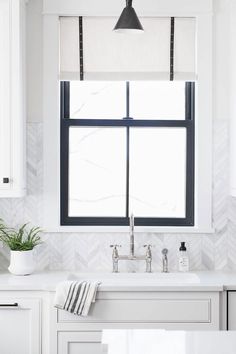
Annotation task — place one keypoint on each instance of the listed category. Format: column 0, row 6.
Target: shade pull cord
column 172, row 43
column 81, row 50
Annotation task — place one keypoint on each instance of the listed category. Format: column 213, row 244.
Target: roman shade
column 90, row 50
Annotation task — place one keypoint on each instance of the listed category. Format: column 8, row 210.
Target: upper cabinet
column 12, row 93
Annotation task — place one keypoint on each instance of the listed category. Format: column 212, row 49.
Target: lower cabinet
column 79, row 342
column 231, row 311
column 29, row 323
column 20, row 326
column 71, row 334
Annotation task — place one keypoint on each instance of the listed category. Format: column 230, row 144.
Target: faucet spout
column 116, row 257
column 132, row 235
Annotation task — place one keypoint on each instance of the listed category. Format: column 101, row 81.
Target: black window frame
column 67, row 122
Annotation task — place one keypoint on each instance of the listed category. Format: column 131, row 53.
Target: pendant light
column 128, row 21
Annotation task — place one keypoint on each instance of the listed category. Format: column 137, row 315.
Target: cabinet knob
column 5, row 180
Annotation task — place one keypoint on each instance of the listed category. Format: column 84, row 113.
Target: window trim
column 127, row 122
column 203, row 128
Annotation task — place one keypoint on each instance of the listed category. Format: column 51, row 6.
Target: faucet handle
column 148, row 246
column 115, row 246
column 149, row 251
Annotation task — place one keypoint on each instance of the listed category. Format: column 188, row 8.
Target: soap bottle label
column 183, row 264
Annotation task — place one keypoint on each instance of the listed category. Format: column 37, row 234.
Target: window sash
column 66, row 123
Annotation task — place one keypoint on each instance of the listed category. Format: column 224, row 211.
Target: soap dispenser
column 183, row 258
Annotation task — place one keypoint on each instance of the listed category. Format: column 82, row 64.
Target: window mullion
column 127, row 99
column 127, row 169
column 127, row 147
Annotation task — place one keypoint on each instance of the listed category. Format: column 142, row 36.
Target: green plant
column 20, row 239
column 2, row 225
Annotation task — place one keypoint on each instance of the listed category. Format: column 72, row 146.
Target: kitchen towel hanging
column 76, row 296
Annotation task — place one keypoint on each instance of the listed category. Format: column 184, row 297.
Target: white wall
column 90, row 251
column 221, row 67
column 34, row 33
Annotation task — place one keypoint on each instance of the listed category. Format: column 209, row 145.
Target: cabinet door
column 5, row 118
column 231, row 311
column 20, row 326
column 80, row 343
column 12, row 98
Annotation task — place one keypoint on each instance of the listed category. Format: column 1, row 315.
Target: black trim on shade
column 128, row 122
column 172, row 45
column 81, row 48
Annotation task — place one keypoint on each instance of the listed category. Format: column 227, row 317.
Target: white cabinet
column 30, row 324
column 231, row 311
column 176, row 310
column 12, row 122
column 80, row 342
column 129, row 310
column 19, row 326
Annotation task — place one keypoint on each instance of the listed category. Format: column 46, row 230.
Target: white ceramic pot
column 22, row 262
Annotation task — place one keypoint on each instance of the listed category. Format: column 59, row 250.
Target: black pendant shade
column 128, row 21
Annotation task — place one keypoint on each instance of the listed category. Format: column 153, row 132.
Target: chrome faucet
column 164, row 260
column 131, row 257
column 132, row 235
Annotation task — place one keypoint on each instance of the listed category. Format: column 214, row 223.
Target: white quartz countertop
column 139, row 341
column 191, row 281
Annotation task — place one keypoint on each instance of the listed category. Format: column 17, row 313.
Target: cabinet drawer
column 79, row 342
column 162, row 309
column 231, row 311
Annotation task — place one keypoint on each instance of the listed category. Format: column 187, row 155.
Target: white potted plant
column 21, row 243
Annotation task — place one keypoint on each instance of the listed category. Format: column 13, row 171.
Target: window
column 127, row 147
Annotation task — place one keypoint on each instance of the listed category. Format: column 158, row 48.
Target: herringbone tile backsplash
column 91, row 252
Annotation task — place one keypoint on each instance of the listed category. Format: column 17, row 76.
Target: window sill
column 125, row 229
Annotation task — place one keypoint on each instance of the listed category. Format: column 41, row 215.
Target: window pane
column 157, row 172
column 97, row 171
column 157, row 100
column 97, row 100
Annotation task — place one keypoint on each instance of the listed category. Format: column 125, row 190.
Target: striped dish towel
column 76, row 296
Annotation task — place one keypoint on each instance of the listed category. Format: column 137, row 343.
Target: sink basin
column 138, row 279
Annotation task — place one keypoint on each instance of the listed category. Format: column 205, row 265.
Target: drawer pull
column 9, row 305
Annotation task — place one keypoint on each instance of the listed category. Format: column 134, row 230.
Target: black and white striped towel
column 76, row 296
